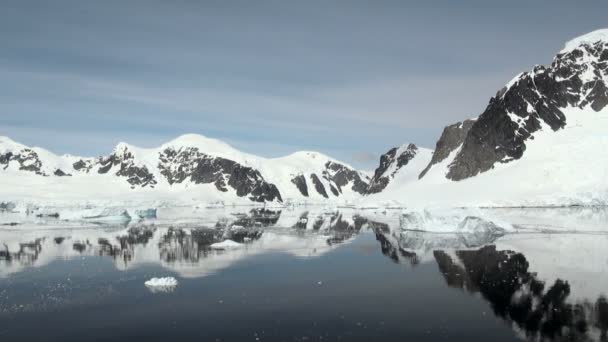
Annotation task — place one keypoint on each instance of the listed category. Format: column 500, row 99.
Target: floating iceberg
column 146, row 213
column 164, row 284
column 475, row 231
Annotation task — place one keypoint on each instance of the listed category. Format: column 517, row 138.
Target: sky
column 347, row 78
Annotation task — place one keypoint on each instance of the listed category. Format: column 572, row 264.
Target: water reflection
column 184, row 247
column 539, row 310
column 547, row 278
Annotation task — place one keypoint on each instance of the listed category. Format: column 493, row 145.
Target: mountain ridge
column 526, row 148
column 190, row 160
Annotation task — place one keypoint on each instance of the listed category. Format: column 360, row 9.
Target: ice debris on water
column 163, row 284
column 146, row 213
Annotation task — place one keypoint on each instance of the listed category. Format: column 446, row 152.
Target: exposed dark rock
column 574, row 79
column 300, row 182
column 451, row 138
column 81, row 165
column 341, row 176
column 381, row 178
column 124, row 160
column 27, row 159
column 200, row 168
column 6, row 158
column 60, row 173
column 334, row 190
column 318, row 185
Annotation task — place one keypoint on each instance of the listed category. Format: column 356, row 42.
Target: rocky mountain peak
column 577, row 78
column 589, row 39
column 390, row 163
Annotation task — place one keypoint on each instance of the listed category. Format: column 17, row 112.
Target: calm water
column 305, row 276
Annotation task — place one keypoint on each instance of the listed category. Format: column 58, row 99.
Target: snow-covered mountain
column 399, row 164
column 540, row 141
column 202, row 168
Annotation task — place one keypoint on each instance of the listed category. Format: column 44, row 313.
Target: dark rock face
column 300, row 182
column 338, row 177
column 381, row 178
column 318, row 185
column 27, row 159
column 6, row 158
column 517, row 296
column 83, row 166
column 535, row 98
column 190, row 165
column 341, row 176
column 200, row 168
column 125, row 161
column 60, row 173
column 451, row 138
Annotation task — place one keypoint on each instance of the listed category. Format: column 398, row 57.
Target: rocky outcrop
column 200, row 168
column 60, row 173
column 390, row 163
column 340, row 176
column 27, row 160
column 83, row 165
column 123, row 160
column 318, row 185
column 451, row 138
column 533, row 100
column 300, row 183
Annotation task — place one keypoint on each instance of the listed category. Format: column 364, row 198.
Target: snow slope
column 541, row 142
column 565, row 167
column 189, row 169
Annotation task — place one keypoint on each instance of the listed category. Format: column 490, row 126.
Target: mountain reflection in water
column 549, row 287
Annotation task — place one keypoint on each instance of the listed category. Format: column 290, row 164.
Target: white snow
column 92, row 187
column 226, row 244
column 589, row 38
column 558, row 168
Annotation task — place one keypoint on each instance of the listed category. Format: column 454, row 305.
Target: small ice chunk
column 476, row 231
column 146, row 213
column 163, row 284
column 226, row 244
